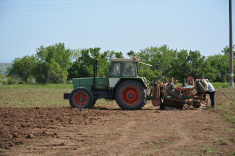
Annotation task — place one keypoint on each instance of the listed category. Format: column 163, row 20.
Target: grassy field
column 26, row 96
column 226, row 103
column 220, row 85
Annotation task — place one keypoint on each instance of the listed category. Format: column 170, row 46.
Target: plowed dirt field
column 108, row 130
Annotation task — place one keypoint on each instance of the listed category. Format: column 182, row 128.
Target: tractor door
column 128, row 69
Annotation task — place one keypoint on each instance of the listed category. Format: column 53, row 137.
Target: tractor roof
column 128, row 60
column 123, row 60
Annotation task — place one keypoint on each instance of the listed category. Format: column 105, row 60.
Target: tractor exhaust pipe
column 95, row 71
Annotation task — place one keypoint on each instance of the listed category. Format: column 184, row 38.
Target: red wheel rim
column 156, row 102
column 80, row 99
column 130, row 95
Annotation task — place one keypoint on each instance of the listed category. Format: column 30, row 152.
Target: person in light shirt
column 211, row 91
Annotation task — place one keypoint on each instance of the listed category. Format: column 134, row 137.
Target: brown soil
column 111, row 131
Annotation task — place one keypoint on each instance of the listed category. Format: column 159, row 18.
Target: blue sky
column 119, row 25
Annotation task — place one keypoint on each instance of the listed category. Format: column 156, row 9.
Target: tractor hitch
column 66, row 95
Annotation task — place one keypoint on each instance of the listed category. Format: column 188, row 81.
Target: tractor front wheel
column 131, row 95
column 81, row 98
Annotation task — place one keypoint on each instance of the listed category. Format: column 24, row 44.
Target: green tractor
column 121, row 84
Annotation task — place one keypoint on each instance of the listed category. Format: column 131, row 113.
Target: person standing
column 211, row 91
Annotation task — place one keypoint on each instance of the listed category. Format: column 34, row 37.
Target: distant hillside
column 3, row 67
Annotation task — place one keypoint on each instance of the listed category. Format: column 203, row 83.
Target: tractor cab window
column 128, row 69
column 115, row 69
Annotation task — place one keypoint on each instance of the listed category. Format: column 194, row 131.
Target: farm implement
column 130, row 91
column 190, row 97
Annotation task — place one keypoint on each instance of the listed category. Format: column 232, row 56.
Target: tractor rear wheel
column 131, row 95
column 81, row 98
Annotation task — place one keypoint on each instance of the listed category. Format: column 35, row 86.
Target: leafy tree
column 119, row 55
column 83, row 66
column 58, row 52
column 103, row 65
column 160, row 57
column 54, row 61
column 21, row 68
column 180, row 65
column 53, row 64
column 210, row 71
column 39, row 72
column 113, row 54
column 196, row 62
column 220, row 63
column 146, row 72
column 55, row 73
column 131, row 53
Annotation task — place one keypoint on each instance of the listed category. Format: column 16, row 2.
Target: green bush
column 11, row 81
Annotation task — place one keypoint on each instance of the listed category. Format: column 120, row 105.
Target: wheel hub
column 80, row 99
column 156, row 102
column 130, row 95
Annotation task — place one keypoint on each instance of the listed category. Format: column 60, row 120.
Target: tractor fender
column 140, row 80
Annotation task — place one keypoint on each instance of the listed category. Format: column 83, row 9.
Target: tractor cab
column 123, row 68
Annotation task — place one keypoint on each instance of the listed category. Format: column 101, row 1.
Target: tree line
column 57, row 64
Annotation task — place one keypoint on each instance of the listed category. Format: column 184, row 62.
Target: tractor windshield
column 115, row 70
